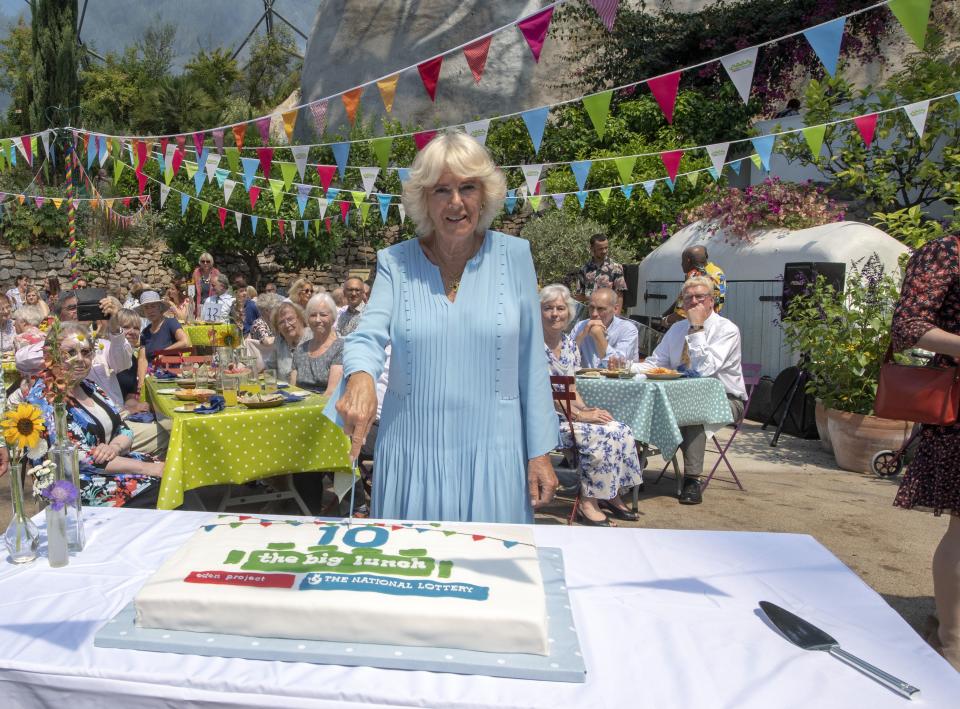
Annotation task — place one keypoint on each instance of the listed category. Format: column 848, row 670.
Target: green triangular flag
column 364, row 210
column 117, row 169
column 693, row 178
column 204, row 208
column 914, row 15
column 358, row 196
column 625, row 168
column 535, row 202
column 233, row 159
column 269, row 226
column 757, row 162
column 598, row 106
column 191, row 168
column 287, row 171
column 381, row 148
column 814, row 137
column 316, row 225
column 276, row 186
column 117, row 149
column 168, row 175
column 604, row 193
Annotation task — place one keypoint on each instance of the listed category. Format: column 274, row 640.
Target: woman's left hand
column 541, row 481
column 104, row 453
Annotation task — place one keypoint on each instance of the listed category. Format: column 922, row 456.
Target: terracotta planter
column 856, row 438
column 822, row 430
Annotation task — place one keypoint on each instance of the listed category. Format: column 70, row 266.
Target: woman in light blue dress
column 467, row 418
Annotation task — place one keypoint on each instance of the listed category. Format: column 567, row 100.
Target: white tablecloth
column 665, row 618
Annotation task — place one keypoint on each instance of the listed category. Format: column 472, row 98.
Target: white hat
column 151, row 296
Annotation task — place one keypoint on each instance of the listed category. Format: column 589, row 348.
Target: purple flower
column 60, row 493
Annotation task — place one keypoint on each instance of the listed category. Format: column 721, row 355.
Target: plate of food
column 261, row 401
column 235, row 370
column 662, row 373
column 617, row 374
column 186, row 408
column 193, row 394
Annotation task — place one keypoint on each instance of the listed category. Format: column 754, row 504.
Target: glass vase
column 58, row 553
column 22, row 537
column 66, row 458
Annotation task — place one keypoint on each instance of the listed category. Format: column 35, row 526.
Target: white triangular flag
column 917, row 113
column 18, row 141
column 718, row 155
column 300, row 157
column 740, row 67
column 45, row 139
column 213, row 161
column 531, row 173
column 323, row 203
column 293, row 227
column 104, row 154
column 478, row 130
column 228, row 186
column 369, row 176
column 164, row 193
column 168, row 157
column 558, row 200
column 239, row 217
column 403, row 212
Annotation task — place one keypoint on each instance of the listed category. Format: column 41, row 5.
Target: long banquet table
column 665, row 618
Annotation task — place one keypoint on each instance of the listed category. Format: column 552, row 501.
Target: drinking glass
column 230, row 387
column 269, row 381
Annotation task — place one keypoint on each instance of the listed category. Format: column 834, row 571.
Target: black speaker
column 798, row 277
column 631, row 274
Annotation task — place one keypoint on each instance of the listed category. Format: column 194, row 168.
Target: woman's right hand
column 358, row 409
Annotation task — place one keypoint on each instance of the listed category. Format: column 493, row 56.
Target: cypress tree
column 55, row 57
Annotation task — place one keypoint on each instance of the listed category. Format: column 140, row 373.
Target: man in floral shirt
column 696, row 262
column 600, row 271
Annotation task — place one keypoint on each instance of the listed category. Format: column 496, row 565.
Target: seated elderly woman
column 608, row 454
column 290, row 328
column 318, row 363
column 110, row 474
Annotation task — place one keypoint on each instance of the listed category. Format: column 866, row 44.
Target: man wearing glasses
column 349, row 315
column 705, row 344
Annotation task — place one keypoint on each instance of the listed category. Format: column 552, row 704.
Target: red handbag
column 920, row 394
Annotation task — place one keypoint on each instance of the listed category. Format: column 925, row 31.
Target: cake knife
column 809, row 637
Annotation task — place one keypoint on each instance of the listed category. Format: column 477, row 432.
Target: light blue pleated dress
column 469, row 400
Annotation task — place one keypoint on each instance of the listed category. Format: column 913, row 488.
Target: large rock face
column 354, row 41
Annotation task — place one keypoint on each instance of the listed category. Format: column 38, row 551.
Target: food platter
column 261, row 401
column 193, row 394
column 662, row 373
column 617, row 374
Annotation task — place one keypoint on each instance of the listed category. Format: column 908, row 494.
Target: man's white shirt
column 216, row 308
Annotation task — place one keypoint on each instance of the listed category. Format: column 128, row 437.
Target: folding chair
column 751, row 377
column 563, row 394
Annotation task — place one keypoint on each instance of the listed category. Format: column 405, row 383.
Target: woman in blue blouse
column 467, row 418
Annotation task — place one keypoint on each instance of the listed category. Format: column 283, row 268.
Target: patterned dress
column 930, row 298
column 608, row 453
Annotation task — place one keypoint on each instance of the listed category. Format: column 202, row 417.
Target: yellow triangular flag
column 109, row 203
column 757, row 162
column 604, row 193
column 693, row 178
column 57, row 201
column 388, row 89
column 289, row 121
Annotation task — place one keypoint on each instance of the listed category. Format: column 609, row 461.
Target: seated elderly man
column 216, row 308
column 708, row 344
column 605, row 335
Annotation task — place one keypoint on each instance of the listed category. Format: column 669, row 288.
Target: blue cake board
column 563, row 664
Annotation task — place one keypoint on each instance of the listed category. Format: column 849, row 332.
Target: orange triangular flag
column 289, row 121
column 476, row 55
column 94, row 203
column 351, row 102
column 238, row 133
column 22, row 198
column 388, row 89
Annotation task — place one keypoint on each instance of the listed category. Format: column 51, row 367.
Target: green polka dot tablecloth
column 200, row 334
column 655, row 410
column 239, row 445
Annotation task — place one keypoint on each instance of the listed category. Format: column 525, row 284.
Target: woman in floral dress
column 608, row 453
column 928, row 316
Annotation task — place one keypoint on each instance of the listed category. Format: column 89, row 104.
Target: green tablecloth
column 239, row 445
column 655, row 410
column 200, row 334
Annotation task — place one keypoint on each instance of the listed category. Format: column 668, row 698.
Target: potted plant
column 842, row 338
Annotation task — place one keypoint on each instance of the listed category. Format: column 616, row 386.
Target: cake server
column 809, row 637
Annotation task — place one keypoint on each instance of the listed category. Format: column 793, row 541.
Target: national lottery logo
column 393, row 586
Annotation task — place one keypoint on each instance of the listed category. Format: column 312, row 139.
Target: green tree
column 175, row 104
column 216, row 72
column 273, row 70
column 156, row 48
column 16, row 60
column 54, row 67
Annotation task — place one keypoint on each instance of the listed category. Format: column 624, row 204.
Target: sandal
column 619, row 512
column 587, row 522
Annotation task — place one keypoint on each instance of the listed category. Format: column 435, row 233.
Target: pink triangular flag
column 423, row 137
column 866, row 125
column 671, row 161
column 254, row 195
column 218, row 139
column 222, row 213
column 607, row 10
column 344, row 208
column 476, row 55
column 319, row 112
column 664, row 89
column 534, row 30
column 281, row 225
column 266, row 158
column 181, row 141
column 326, row 173
column 198, row 139
column 177, row 160
column 326, row 223
column 430, row 74
column 263, row 125
column 164, row 142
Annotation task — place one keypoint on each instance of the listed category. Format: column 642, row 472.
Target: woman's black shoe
column 619, row 513
column 587, row 522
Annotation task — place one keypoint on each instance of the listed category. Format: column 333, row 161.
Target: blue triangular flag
column 332, row 193
column 957, row 96
column 221, row 176
column 303, row 194
column 198, row 179
column 649, row 185
column 91, row 150
column 825, row 40
column 13, row 155
column 341, row 151
column 735, row 166
column 253, row 223
column 510, row 203
column 250, row 166
column 507, row 543
column 160, row 164
column 670, row 183
column 403, row 173
column 713, row 173
column 580, row 170
column 627, row 191
column 184, row 201
column 384, row 200
column 103, row 150
column 536, row 120
column 582, row 198
column 210, row 527
column 764, row 148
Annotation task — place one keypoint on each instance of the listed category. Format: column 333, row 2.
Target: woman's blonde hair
column 465, row 158
column 296, row 287
column 550, row 293
column 125, row 318
column 297, row 310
